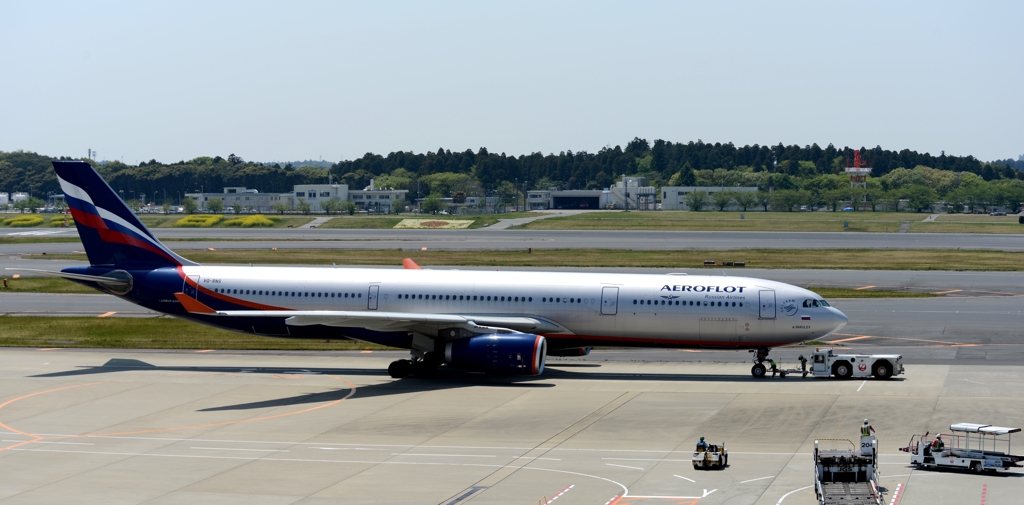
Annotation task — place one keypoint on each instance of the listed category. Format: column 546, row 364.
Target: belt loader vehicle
column 975, row 447
column 847, row 475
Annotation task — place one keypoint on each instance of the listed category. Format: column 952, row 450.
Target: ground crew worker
column 803, row 364
column 938, row 445
column 702, row 446
column 866, row 430
column 773, row 366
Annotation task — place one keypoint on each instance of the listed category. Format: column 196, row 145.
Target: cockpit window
column 823, row 303
column 814, row 303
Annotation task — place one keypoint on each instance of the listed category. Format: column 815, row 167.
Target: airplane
column 498, row 322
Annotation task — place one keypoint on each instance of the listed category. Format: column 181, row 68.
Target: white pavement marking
column 625, row 490
column 624, row 466
column 531, row 457
column 649, row 459
column 566, row 490
column 896, row 495
column 346, row 449
column 789, row 493
column 227, row 449
column 684, row 478
column 444, row 455
column 43, row 442
column 706, row 493
column 759, row 478
column 862, row 385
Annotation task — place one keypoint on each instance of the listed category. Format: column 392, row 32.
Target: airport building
column 674, row 197
column 242, row 198
column 632, row 193
column 4, row 199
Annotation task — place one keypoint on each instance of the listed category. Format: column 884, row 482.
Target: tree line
column 456, row 174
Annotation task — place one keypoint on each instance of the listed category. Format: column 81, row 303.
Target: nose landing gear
column 758, row 371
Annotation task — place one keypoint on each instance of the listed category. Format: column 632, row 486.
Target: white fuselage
column 620, row 309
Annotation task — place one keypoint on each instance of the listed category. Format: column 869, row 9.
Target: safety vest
column 865, row 431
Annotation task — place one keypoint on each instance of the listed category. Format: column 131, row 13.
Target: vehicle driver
column 866, row 430
column 702, row 446
column 937, row 444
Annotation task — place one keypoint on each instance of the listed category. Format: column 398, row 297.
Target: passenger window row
column 699, row 303
column 297, row 294
column 482, row 298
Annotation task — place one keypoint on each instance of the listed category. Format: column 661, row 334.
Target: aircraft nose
column 839, row 319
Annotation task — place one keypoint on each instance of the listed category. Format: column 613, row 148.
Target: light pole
column 625, row 184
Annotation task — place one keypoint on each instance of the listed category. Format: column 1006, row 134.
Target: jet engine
column 506, row 354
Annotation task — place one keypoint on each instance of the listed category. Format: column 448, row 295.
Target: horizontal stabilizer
column 121, row 283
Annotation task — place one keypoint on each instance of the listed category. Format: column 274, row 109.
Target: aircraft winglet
column 409, row 264
column 192, row 305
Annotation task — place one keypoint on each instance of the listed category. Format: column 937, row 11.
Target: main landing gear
column 759, row 370
column 419, row 367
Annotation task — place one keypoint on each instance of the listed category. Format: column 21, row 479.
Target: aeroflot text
column 705, row 289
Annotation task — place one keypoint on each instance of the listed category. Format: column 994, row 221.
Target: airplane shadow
column 444, row 379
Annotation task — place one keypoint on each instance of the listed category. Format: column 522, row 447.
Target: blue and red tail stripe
column 110, row 231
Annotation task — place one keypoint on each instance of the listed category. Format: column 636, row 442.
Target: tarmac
column 170, row 427
column 615, row 427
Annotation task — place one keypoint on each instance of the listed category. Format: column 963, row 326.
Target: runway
column 117, row 427
column 514, row 239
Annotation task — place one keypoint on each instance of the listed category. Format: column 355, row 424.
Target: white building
column 17, row 197
column 634, row 193
column 4, row 199
column 674, row 197
column 239, row 198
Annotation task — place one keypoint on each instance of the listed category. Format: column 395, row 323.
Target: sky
column 275, row 81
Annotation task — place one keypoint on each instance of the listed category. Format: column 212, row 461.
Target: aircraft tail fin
column 110, row 231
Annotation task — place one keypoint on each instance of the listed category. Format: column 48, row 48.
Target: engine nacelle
column 572, row 351
column 506, row 354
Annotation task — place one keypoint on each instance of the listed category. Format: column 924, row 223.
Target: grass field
column 854, row 259
column 167, row 221
column 149, row 333
column 388, row 222
column 729, row 221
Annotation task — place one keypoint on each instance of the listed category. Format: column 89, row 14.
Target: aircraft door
column 191, row 286
column 371, row 297
column 609, row 301
column 767, row 305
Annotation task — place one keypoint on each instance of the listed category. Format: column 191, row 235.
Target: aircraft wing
column 398, row 321
column 388, row 321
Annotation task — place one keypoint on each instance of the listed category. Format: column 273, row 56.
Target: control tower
column 858, row 173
